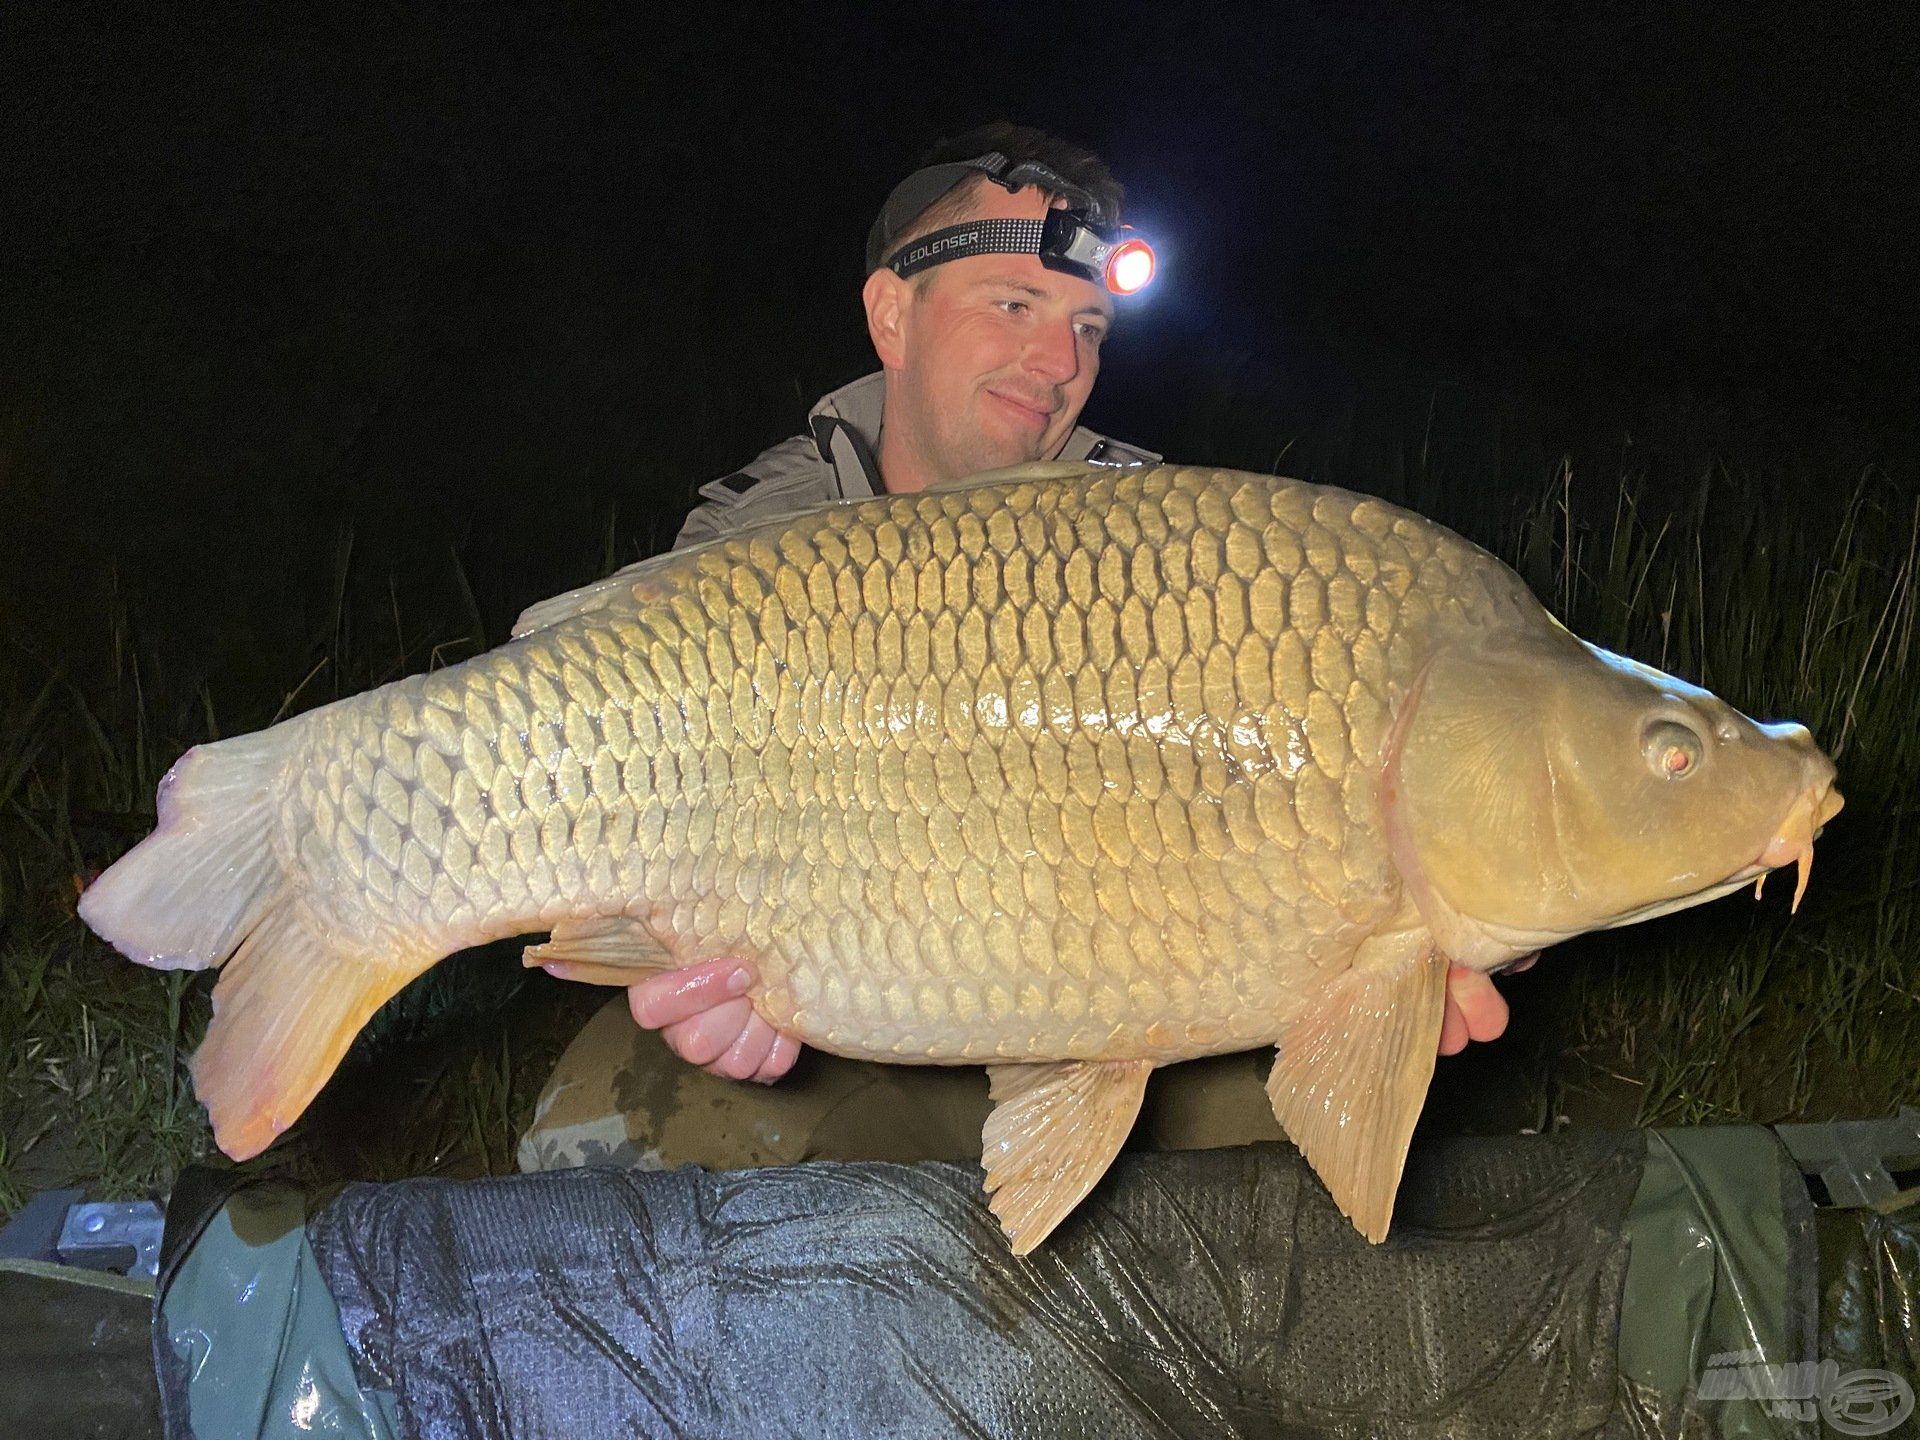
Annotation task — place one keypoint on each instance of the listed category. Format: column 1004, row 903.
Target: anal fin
column 1353, row 1072
column 1054, row 1130
column 286, row 1008
column 604, row 950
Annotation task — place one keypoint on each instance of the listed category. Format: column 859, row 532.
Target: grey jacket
column 834, row 460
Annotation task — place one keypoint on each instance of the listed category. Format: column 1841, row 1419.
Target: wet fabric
column 1207, row 1293
column 1870, row 1288
column 247, row 1341
column 1723, row 1264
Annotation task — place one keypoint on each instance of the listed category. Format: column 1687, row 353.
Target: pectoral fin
column 1054, row 1130
column 1353, row 1072
column 606, row 950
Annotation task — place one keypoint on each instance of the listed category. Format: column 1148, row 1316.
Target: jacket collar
column 857, row 407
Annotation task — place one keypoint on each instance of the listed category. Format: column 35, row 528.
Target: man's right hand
column 703, row 1014
column 1475, row 1010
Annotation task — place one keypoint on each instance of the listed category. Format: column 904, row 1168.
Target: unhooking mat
column 1198, row 1293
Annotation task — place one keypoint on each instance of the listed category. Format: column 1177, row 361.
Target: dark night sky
column 481, row 275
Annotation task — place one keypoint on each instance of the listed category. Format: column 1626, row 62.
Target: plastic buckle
column 97, row 1236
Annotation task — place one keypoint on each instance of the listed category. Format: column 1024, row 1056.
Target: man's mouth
column 1037, row 413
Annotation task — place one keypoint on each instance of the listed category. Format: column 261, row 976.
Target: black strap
column 1032, row 172
column 974, row 237
column 825, row 427
column 915, row 194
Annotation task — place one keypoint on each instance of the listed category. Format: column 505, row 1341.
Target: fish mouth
column 1792, row 844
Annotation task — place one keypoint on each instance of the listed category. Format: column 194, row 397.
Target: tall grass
column 1726, row 1012
column 94, row 1083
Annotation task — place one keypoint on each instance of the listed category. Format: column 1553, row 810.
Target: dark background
column 401, row 297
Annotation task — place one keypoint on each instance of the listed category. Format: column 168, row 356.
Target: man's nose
column 1053, row 354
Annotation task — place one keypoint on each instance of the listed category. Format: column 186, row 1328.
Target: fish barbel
column 1068, row 771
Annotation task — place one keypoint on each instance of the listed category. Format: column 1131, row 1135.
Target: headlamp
column 1077, row 240
column 1109, row 255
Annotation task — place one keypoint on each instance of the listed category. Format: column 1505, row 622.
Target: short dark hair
column 1019, row 143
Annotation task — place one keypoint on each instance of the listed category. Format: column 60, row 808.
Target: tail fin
column 206, row 890
column 184, row 897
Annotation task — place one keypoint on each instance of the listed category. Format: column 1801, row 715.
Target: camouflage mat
column 1216, row 1294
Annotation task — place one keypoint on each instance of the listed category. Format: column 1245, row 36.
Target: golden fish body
column 1040, row 770
column 1084, row 765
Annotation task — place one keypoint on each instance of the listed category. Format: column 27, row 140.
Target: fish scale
column 1131, row 808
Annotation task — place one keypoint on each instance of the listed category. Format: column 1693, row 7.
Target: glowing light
column 1130, row 267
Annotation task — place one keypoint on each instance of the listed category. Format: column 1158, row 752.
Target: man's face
column 995, row 357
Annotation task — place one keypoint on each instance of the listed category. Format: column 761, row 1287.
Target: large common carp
column 1070, row 771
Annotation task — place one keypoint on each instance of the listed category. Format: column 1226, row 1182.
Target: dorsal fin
column 1031, row 470
column 631, row 582
column 628, row 582
column 641, row 583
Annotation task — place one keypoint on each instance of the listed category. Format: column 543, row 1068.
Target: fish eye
column 1672, row 750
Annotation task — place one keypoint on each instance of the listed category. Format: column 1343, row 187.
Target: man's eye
column 1013, row 306
column 1094, row 333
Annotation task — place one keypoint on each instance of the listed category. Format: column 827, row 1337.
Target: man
column 987, row 360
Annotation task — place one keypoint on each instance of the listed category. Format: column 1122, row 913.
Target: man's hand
column 703, row 1014
column 1475, row 1010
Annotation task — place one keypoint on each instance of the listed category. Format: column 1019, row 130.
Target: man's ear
column 888, row 298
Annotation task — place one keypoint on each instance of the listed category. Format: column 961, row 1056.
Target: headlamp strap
column 959, row 242
column 1077, row 239
column 1010, row 177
